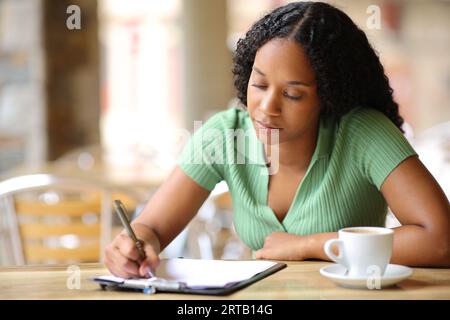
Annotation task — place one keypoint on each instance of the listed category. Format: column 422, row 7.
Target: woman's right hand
column 122, row 257
column 167, row 219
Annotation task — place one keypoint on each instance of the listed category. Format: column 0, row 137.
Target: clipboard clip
column 164, row 285
column 150, row 286
column 156, row 284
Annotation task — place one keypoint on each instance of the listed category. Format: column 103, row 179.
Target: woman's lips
column 266, row 126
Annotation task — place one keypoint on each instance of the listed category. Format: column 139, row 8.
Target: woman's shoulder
column 363, row 121
column 361, row 115
column 373, row 143
column 232, row 118
column 369, row 131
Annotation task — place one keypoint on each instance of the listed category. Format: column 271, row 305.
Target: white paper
column 197, row 273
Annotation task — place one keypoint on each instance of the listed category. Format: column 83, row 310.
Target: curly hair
column 348, row 71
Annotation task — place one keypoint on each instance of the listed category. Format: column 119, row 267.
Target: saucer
column 394, row 274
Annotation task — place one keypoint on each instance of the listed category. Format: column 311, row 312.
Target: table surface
column 300, row 280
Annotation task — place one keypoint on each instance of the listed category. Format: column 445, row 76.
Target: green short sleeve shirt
column 341, row 188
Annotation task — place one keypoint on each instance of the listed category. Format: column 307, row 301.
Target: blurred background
column 93, row 95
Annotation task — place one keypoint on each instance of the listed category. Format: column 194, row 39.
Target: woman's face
column 282, row 92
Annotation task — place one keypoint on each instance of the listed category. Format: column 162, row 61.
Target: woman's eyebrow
column 293, row 82
column 258, row 71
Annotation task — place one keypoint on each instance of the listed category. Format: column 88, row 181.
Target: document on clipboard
column 196, row 276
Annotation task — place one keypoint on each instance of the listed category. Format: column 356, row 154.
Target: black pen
column 122, row 213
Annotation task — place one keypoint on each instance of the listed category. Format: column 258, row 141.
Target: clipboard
column 169, row 285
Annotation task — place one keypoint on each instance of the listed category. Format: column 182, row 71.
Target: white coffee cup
column 363, row 251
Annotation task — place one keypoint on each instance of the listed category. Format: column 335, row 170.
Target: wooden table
column 300, row 280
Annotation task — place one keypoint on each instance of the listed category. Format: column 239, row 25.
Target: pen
column 121, row 212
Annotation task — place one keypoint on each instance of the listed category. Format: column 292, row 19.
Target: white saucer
column 394, row 274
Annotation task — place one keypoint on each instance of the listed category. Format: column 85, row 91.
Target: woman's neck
column 293, row 155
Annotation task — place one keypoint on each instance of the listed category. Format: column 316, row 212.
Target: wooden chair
column 54, row 219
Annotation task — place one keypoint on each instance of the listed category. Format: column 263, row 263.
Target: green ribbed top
column 351, row 160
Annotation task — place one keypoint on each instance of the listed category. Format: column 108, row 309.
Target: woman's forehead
column 286, row 56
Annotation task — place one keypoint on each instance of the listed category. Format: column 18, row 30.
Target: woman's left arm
column 422, row 208
column 419, row 204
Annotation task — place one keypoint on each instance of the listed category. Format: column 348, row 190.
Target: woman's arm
column 422, row 208
column 173, row 205
column 419, row 204
column 170, row 209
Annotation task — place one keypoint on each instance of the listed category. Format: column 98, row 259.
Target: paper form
column 197, row 273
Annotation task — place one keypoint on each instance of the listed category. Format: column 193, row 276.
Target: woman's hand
column 283, row 246
column 122, row 257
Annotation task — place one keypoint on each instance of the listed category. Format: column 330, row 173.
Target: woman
column 330, row 152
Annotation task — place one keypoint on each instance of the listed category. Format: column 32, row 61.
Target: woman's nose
column 270, row 105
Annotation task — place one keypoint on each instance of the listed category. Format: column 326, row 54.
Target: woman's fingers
column 150, row 263
column 115, row 270
column 129, row 266
column 124, row 259
column 127, row 248
column 119, row 264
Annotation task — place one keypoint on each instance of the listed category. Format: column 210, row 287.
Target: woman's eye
column 292, row 97
column 285, row 93
column 259, row 86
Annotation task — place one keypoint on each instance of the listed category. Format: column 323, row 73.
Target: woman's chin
column 270, row 138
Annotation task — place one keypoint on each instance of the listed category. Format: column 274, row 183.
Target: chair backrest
column 52, row 219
